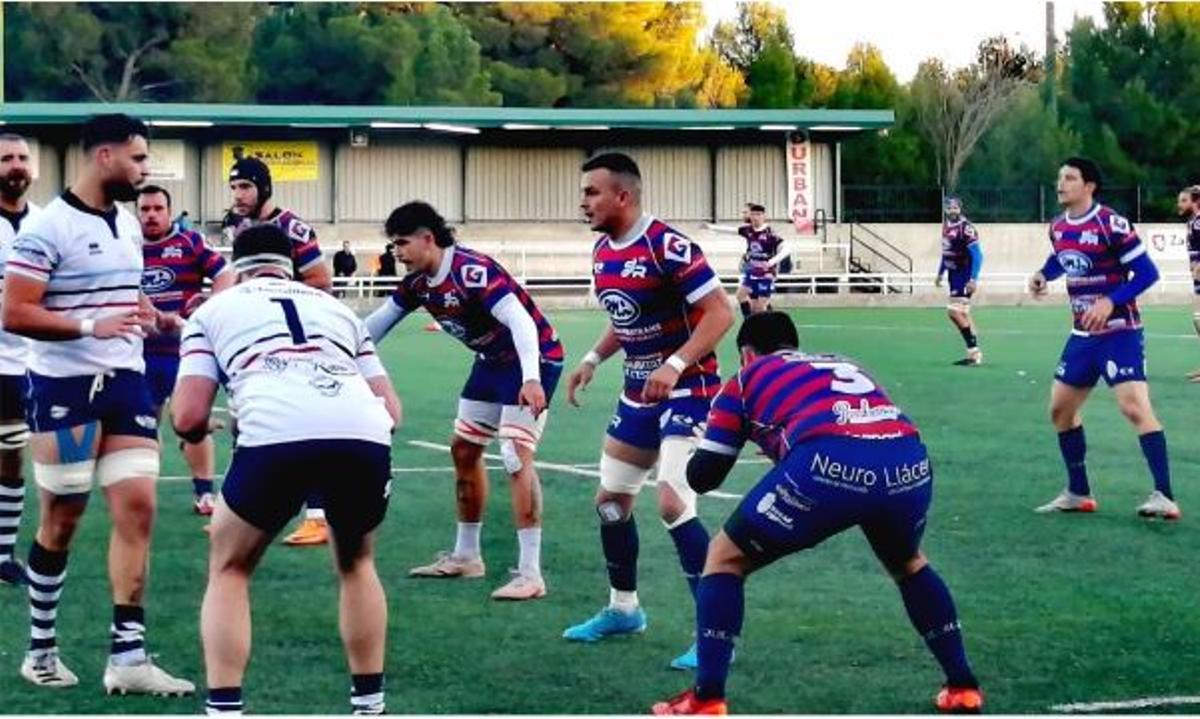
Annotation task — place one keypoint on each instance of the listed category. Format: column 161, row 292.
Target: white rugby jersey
column 14, row 349
column 294, row 361
column 91, row 262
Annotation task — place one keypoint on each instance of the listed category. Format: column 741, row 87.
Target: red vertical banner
column 799, row 179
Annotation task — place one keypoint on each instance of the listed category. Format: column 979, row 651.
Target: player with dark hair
column 253, row 190
column 72, row 284
column 667, row 312
column 844, row 456
column 761, row 261
column 316, row 409
column 518, row 360
column 1188, row 206
column 16, row 175
column 175, row 263
column 1106, row 267
column 962, row 259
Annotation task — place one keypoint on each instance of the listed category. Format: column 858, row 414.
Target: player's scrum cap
column 262, row 246
column 256, row 171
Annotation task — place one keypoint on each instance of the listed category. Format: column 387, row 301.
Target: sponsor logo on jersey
column 766, row 507
column 172, row 253
column 157, row 279
column 1089, row 238
column 634, row 269
column 1075, row 263
column 620, row 307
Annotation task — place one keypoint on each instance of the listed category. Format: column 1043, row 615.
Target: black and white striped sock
column 225, row 701
column 128, row 635
column 12, row 502
column 47, row 571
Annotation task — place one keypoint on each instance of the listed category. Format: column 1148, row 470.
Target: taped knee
column 126, row 464
column 672, row 471
column 611, row 512
column 69, row 478
column 510, row 456
column 621, row 477
column 13, row 436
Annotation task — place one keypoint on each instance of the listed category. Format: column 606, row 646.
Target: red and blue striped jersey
column 306, row 253
column 784, row 399
column 1095, row 251
column 761, row 246
column 173, row 271
column 957, row 238
column 461, row 297
column 649, row 284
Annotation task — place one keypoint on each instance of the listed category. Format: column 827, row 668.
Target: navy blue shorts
column 120, row 402
column 500, row 382
column 646, row 426
column 267, row 485
column 828, row 485
column 958, row 280
column 759, row 287
column 13, row 390
column 1116, row 356
column 161, row 371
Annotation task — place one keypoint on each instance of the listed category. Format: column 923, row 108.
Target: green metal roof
column 42, row 113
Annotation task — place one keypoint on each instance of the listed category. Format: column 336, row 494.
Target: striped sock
column 46, row 571
column 224, row 700
column 12, row 501
column 128, row 635
column 366, row 695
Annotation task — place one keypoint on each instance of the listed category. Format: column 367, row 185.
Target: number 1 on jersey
column 293, row 319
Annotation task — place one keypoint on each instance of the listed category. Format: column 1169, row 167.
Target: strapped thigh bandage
column 620, row 477
column 672, row 471
column 13, row 435
column 68, row 478
column 124, row 464
column 477, row 422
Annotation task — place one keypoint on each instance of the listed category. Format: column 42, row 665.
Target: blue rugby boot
column 607, row 622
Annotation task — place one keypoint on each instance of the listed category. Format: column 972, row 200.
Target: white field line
column 1143, row 703
column 395, row 470
column 552, row 466
column 936, row 330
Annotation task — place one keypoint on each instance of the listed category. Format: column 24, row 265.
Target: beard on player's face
column 120, row 190
column 14, row 184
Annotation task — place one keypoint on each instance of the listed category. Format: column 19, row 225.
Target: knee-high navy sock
column 931, row 609
column 720, row 606
column 620, row 543
column 1154, row 446
column 691, row 542
column 1073, row 446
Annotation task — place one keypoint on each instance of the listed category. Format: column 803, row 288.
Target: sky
column 908, row 31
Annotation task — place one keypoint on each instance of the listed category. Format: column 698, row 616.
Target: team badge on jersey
column 1075, row 263
column 677, row 248
column 474, row 276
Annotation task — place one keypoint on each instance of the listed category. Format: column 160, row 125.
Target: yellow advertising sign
column 289, row 160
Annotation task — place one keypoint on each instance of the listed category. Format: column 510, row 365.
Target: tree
column 772, row 77
column 759, row 26
column 955, row 109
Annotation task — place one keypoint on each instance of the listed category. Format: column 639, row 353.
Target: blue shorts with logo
column 646, row 426
column 958, row 280
column 161, row 370
column 759, row 287
column 1118, row 357
column 119, row 401
column 830, row 484
column 500, row 382
column 267, row 485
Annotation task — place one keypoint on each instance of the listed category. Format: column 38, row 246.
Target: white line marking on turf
column 1144, row 703
column 933, row 330
column 565, row 468
column 395, row 470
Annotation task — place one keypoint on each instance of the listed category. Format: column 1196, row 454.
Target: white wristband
column 593, row 358
column 87, row 328
column 677, row 363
